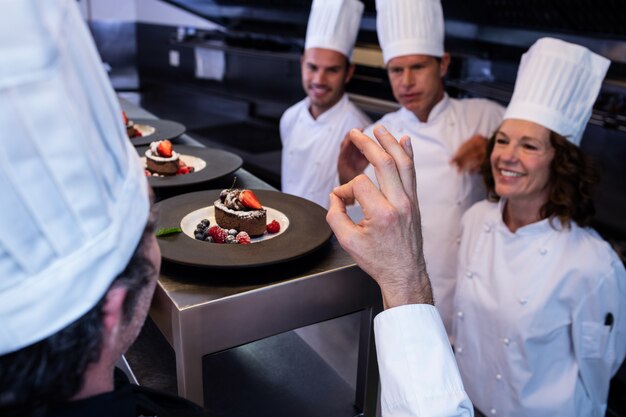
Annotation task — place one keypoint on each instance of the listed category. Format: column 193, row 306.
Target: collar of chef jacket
column 433, row 116
column 328, row 114
column 536, row 228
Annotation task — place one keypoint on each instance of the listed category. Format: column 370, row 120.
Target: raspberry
column 183, row 171
column 273, row 227
column 218, row 234
column 243, row 238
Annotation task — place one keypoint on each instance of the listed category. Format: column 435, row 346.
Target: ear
column 349, row 73
column 113, row 313
column 443, row 65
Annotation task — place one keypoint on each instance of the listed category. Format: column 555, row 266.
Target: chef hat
column 74, row 199
column 334, row 24
column 409, row 27
column 557, row 84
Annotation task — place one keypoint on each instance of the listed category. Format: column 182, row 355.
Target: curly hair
column 573, row 176
column 51, row 371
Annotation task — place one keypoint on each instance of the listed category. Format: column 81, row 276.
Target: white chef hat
column 74, row 199
column 409, row 27
column 334, row 24
column 556, row 87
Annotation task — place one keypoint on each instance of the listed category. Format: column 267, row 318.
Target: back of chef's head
column 74, row 199
column 410, row 27
column 334, row 25
column 556, row 87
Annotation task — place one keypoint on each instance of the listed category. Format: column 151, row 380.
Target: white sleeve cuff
column 418, row 373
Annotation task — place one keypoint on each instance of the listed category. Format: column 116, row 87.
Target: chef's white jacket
column 311, row 147
column 444, row 193
column 530, row 314
column 418, row 374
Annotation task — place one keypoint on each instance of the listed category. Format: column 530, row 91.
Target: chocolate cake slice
column 231, row 213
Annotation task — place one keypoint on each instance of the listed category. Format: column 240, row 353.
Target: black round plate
column 218, row 164
column 307, row 231
column 164, row 129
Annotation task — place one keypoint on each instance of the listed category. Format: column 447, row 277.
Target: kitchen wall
column 113, row 24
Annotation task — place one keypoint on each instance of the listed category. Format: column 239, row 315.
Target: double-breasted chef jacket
column 311, row 147
column 444, row 193
column 539, row 316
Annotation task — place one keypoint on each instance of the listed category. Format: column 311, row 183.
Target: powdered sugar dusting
column 252, row 214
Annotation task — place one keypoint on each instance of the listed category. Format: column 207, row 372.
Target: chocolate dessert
column 161, row 159
column 240, row 210
column 131, row 130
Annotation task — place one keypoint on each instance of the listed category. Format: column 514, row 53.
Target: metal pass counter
column 202, row 311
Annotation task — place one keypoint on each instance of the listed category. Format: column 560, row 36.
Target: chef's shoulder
column 478, row 106
column 391, row 121
column 473, row 222
column 481, row 212
column 355, row 117
column 595, row 257
column 290, row 116
column 472, row 228
column 485, row 115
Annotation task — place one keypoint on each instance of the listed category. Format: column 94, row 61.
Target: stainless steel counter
column 205, row 311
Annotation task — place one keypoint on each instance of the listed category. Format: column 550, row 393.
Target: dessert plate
column 156, row 129
column 209, row 164
column 303, row 230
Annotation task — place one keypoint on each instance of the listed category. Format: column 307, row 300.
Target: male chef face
column 325, row 74
column 417, row 82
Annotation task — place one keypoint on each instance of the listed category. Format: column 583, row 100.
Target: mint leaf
column 168, row 231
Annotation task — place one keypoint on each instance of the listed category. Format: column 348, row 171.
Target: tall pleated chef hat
column 334, row 24
column 409, row 27
column 74, row 199
column 556, row 87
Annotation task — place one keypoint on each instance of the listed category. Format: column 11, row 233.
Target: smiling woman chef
column 539, row 307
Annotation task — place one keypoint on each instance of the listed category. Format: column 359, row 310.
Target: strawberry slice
column 125, row 118
column 249, row 200
column 165, row 148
